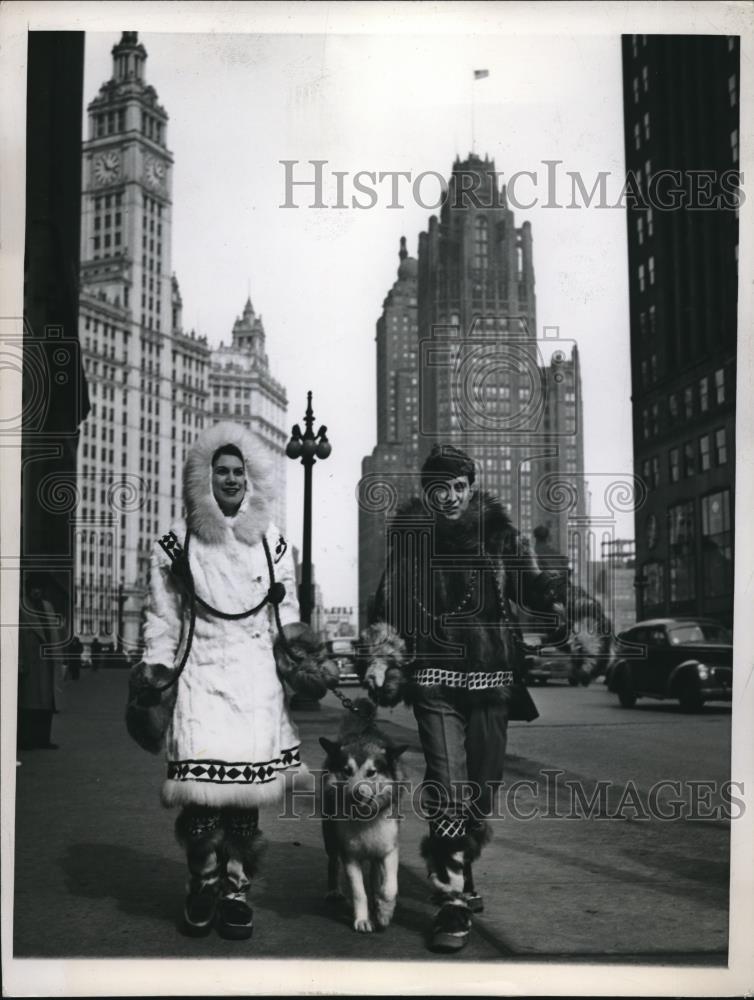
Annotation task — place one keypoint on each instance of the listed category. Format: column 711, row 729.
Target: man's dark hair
column 227, row 449
column 447, row 462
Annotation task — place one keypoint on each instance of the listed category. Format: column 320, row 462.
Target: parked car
column 551, row 663
column 343, row 652
column 688, row 659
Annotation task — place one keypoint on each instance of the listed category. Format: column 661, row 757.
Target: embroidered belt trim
column 473, row 680
column 220, row 772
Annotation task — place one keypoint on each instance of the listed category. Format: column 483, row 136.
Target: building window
column 732, row 90
column 650, row 222
column 645, row 471
column 645, row 78
column 717, row 545
column 655, row 472
column 674, row 466
column 653, row 367
column 651, row 265
column 720, row 385
column 654, row 593
column 646, row 126
column 703, row 394
column 734, row 145
column 688, row 402
column 636, row 90
column 704, row 453
column 655, row 419
column 681, row 543
column 721, row 446
column 641, row 277
column 673, row 407
column 644, row 373
column 689, row 463
column 640, row 230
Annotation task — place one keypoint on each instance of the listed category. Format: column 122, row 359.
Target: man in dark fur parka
column 445, row 638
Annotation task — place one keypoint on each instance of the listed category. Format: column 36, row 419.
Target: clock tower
column 126, row 204
column 147, row 377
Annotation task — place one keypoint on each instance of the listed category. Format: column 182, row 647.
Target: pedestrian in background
column 41, row 670
column 75, row 649
column 96, row 654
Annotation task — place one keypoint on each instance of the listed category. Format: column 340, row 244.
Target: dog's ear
column 393, row 753
column 332, row 749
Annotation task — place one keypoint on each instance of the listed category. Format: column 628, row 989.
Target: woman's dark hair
column 227, row 449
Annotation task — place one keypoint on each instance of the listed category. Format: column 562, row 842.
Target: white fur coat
column 231, row 741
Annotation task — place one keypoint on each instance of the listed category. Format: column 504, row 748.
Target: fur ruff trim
column 485, row 523
column 201, row 793
column 203, row 514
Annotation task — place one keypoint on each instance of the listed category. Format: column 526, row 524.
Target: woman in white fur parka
column 231, row 745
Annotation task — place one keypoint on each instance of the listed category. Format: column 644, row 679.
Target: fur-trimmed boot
column 243, row 847
column 445, row 850
column 478, row 834
column 198, row 830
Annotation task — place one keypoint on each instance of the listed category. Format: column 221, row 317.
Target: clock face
column 154, row 172
column 107, row 167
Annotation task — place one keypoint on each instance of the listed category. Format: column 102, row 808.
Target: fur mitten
column 382, row 660
column 303, row 663
column 149, row 710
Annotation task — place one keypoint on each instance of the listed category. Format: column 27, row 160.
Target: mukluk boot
column 443, row 850
column 243, row 846
column 478, row 834
column 198, row 830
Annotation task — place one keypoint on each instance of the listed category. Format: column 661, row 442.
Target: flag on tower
column 480, row 74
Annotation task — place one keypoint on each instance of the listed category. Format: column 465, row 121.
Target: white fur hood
column 204, row 517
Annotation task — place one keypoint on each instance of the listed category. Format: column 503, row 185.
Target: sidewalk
column 99, row 875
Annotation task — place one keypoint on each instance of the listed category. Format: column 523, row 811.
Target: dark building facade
column 55, row 394
column 681, row 115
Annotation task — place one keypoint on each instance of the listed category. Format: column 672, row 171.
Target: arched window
column 480, row 242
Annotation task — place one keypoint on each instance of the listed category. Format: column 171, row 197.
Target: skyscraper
column 393, row 464
column 458, row 362
column 243, row 390
column 681, row 122
column 485, row 385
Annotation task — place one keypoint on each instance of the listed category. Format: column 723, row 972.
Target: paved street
column 99, row 875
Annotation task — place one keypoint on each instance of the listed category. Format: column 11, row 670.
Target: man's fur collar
column 484, row 525
column 203, row 514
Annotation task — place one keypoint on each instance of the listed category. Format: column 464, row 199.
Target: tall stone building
column 147, row 376
column 243, row 390
column 681, row 114
column 458, row 362
column 390, row 472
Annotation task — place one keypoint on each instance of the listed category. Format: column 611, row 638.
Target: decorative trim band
column 220, row 772
column 473, row 680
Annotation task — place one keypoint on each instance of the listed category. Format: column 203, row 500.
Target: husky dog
column 360, row 809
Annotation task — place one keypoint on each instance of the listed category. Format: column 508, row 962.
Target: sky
column 238, row 104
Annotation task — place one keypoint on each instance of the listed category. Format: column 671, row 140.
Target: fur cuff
column 382, row 661
column 303, row 663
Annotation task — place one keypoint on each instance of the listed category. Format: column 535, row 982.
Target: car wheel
column 625, row 689
column 690, row 700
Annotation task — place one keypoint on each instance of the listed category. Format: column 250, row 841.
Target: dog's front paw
column 363, row 926
column 384, row 910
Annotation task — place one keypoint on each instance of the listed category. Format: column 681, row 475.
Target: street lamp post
column 308, row 447
column 122, row 598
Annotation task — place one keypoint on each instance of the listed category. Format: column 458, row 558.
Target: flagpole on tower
column 479, row 74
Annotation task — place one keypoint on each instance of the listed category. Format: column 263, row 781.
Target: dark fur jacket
column 449, row 587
